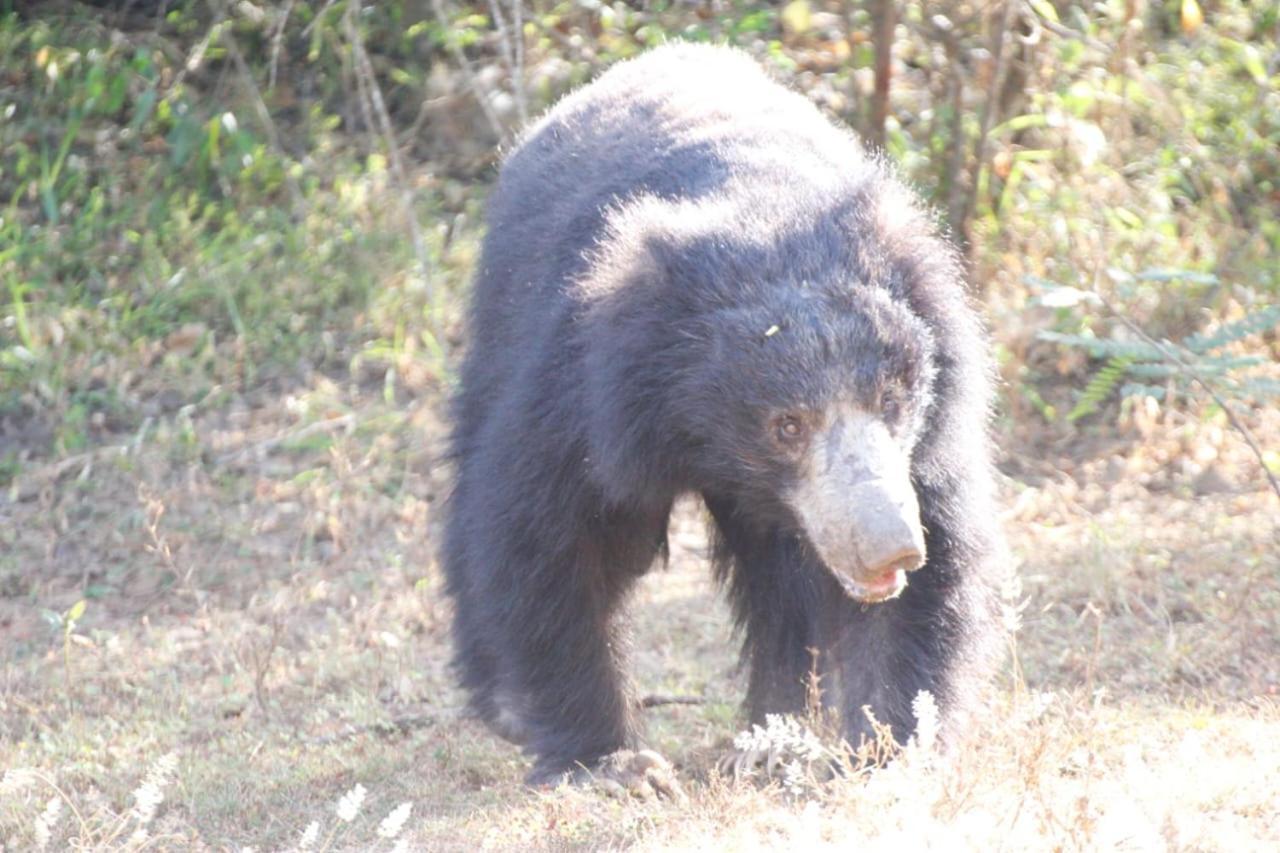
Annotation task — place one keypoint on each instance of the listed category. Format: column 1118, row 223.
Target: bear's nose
column 906, row 559
column 887, row 535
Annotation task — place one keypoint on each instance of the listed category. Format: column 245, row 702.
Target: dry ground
column 262, row 604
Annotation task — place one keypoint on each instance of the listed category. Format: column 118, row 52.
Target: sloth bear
column 692, row 282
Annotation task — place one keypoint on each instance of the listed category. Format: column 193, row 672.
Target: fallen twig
column 262, row 448
column 656, row 699
column 27, row 487
column 401, row 725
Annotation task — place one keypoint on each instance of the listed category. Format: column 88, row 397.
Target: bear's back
column 678, row 122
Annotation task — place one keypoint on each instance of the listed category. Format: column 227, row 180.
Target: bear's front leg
column 774, row 587
column 544, row 589
column 940, row 635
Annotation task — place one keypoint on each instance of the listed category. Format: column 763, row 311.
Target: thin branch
column 29, row 486
column 1172, row 354
column 402, row 725
column 1067, row 33
column 277, row 41
column 885, row 18
column 195, row 58
column 511, row 43
column 262, row 448
column 468, row 73
column 1010, row 10
column 260, row 107
column 364, row 69
column 940, row 28
column 306, row 31
column 521, row 99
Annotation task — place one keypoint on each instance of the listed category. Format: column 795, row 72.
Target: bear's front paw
column 641, row 773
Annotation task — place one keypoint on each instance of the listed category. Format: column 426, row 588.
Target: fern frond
column 1106, row 347
column 1204, row 366
column 1262, row 320
column 1100, row 387
column 1141, row 389
column 1260, row 388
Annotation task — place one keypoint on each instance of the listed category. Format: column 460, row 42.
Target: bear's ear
column 629, row 326
column 659, row 273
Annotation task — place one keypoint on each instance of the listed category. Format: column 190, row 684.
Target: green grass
column 154, row 253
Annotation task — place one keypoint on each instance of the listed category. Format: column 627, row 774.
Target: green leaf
column 1162, row 274
column 1141, row 389
column 76, row 611
column 1261, row 388
column 142, row 109
column 49, row 202
column 1045, row 9
column 1252, row 63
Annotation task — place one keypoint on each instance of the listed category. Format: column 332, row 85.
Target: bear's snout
column 886, row 527
column 888, row 540
column 858, row 508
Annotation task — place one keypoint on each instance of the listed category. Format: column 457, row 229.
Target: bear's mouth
column 882, row 587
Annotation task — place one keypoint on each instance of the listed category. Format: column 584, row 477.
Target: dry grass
column 268, row 612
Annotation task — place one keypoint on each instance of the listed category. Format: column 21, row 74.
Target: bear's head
column 805, row 407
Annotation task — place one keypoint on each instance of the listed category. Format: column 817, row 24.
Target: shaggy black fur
column 675, row 253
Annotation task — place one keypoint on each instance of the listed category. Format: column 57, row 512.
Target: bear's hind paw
column 640, row 773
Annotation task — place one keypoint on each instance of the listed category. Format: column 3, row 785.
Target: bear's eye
column 790, row 429
column 890, row 406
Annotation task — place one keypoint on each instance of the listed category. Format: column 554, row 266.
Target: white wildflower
column 15, row 779
column 150, row 794
column 349, row 805
column 751, row 741
column 786, row 743
column 925, row 709
column 309, row 836
column 810, row 747
column 794, row 778
column 146, row 799
column 47, row 820
column 165, row 766
column 1012, row 602
column 1035, row 706
column 401, row 846
column 394, row 822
